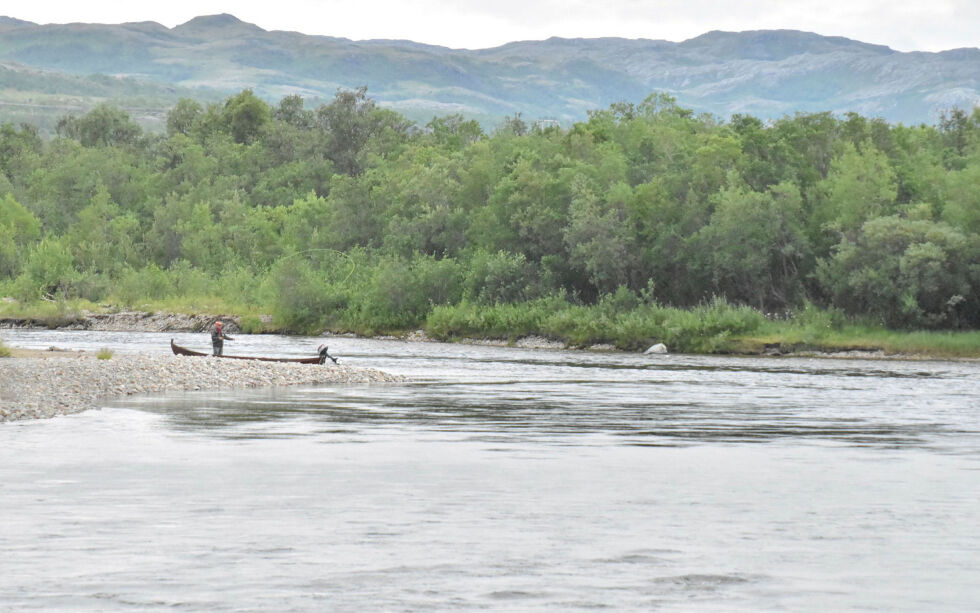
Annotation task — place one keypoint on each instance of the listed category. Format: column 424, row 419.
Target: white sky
column 905, row 25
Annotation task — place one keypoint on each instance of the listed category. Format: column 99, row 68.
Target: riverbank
column 815, row 334
column 137, row 321
column 43, row 384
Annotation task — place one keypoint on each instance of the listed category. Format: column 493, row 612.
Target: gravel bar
column 34, row 388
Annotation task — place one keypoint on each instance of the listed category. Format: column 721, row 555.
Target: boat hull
column 178, row 350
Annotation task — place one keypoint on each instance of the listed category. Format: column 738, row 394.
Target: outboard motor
column 322, row 350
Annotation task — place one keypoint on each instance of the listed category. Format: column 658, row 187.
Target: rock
column 658, row 348
column 772, row 349
column 538, row 342
column 417, row 336
column 39, row 387
column 602, row 347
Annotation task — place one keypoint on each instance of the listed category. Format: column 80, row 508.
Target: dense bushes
column 703, row 328
column 303, row 298
column 645, row 223
column 907, row 273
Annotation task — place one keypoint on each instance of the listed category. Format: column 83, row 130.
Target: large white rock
column 658, row 348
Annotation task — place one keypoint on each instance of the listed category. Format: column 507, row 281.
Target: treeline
column 349, row 216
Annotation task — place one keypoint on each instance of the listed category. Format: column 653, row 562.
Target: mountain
column 766, row 73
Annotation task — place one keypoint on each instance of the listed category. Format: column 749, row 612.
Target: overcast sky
column 905, row 25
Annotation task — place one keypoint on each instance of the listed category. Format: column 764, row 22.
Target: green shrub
column 305, row 301
column 623, row 300
column 49, row 270
column 707, row 328
column 185, row 280
column 906, row 273
column 812, row 316
column 501, row 321
column 577, row 325
column 400, row 294
column 92, row 286
column 251, row 324
column 148, row 283
column 498, row 277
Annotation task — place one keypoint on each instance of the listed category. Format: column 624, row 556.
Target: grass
column 251, row 316
column 703, row 329
column 715, row 327
column 190, row 305
column 936, row 344
column 59, row 313
column 104, row 354
column 4, row 351
column 47, row 313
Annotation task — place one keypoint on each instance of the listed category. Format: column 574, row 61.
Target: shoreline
column 142, row 321
column 36, row 386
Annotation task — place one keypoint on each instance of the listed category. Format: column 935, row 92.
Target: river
column 503, row 479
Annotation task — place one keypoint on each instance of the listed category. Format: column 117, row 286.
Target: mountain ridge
column 767, row 73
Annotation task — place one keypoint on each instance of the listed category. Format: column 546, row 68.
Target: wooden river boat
column 178, row 350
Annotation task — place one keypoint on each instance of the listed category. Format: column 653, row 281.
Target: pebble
column 34, row 388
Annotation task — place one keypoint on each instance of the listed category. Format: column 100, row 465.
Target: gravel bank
column 32, row 388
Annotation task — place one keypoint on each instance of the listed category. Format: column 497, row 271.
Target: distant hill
column 41, row 97
column 763, row 73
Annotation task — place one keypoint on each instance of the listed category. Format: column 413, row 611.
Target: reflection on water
column 555, row 397
column 503, row 479
column 516, row 411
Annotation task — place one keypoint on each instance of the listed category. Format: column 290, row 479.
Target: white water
column 503, row 479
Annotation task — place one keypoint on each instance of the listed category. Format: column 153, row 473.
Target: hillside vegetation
column 764, row 73
column 644, row 223
column 41, row 97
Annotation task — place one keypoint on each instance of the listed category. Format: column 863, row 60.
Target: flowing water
column 503, row 479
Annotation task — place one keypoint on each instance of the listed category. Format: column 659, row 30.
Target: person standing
column 218, row 338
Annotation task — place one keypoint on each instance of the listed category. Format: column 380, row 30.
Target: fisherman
column 218, row 338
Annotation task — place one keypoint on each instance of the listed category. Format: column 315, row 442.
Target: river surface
column 502, row 479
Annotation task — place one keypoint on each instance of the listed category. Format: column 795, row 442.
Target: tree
column 423, row 216
column 347, row 124
column 184, row 228
column 103, row 239
column 454, row 132
column 401, row 292
column 184, row 117
column 764, row 155
column 958, row 130
column 663, row 105
column 49, row 269
column 18, row 230
column 501, row 277
column 291, row 111
column 355, row 212
column 906, row 273
column 531, row 205
column 754, row 246
column 515, row 125
column 246, row 115
column 859, row 187
column 598, row 237
column 203, row 242
column 961, row 205
column 103, row 126
column 716, row 156
column 19, row 148
column 810, row 145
